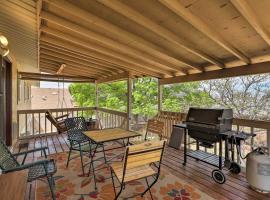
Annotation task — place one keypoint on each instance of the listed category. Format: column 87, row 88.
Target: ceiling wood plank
column 250, row 69
column 83, row 62
column 199, row 24
column 69, row 69
column 81, row 57
column 70, row 62
column 60, row 57
column 132, row 64
column 128, row 37
column 81, row 50
column 109, row 43
column 245, row 9
column 159, row 30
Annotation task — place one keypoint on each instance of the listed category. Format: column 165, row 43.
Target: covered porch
column 103, row 41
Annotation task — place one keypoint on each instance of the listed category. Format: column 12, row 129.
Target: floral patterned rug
column 72, row 185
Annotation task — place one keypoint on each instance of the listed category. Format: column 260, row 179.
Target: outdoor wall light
column 3, row 46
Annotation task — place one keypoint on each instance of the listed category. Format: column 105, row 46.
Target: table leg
column 185, row 147
column 104, row 154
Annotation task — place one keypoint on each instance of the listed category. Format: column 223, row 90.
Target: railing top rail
column 29, row 111
column 123, row 114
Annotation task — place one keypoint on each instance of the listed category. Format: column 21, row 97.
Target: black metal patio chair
column 141, row 161
column 36, row 170
column 78, row 141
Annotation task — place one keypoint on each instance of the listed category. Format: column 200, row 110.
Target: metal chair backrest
column 156, row 127
column 75, row 124
column 143, row 154
column 7, row 160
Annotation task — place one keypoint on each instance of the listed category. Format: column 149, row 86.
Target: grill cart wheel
column 235, row 168
column 218, row 176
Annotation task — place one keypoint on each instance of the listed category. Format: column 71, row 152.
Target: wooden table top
column 13, row 185
column 110, row 134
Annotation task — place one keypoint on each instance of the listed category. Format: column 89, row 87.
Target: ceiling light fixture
column 4, row 51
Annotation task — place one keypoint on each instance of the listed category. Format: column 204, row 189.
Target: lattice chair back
column 7, row 160
column 76, row 124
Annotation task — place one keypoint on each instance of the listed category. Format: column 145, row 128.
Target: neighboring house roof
column 48, row 98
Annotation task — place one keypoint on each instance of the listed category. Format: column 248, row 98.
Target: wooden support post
column 129, row 102
column 97, row 106
column 160, row 95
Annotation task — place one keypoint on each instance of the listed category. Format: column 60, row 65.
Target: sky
column 45, row 84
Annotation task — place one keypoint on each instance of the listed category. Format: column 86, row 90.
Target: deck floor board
column 196, row 173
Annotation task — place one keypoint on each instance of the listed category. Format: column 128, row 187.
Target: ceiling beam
column 126, row 36
column 50, row 77
column 118, row 77
column 248, row 13
column 250, row 69
column 107, row 42
column 159, row 30
column 129, row 63
column 38, row 10
column 199, row 24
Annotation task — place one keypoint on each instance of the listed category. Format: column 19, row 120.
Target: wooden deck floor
column 196, row 173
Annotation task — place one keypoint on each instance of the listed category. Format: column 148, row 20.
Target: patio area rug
column 72, row 185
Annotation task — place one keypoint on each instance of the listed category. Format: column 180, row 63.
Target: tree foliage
column 248, row 96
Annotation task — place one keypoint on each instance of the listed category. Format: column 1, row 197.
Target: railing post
column 268, row 140
column 129, row 102
column 160, row 95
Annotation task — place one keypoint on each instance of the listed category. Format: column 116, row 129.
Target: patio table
column 99, row 137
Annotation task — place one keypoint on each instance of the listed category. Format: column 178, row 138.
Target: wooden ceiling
column 168, row 39
column 18, row 25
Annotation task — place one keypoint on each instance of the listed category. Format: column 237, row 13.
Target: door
column 6, row 101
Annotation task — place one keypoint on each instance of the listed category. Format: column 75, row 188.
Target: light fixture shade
column 4, row 51
column 3, row 41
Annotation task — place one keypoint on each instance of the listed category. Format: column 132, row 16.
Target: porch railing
column 33, row 123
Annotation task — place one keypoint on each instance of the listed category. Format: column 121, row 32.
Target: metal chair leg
column 81, row 155
column 149, row 187
column 30, row 191
column 69, row 153
column 118, row 194
column 49, row 178
column 93, row 171
column 113, row 182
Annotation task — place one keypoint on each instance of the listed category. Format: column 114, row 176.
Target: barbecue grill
column 208, row 127
column 205, row 125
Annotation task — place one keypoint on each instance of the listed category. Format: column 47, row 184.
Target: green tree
column 179, row 97
column 144, row 97
column 114, row 96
